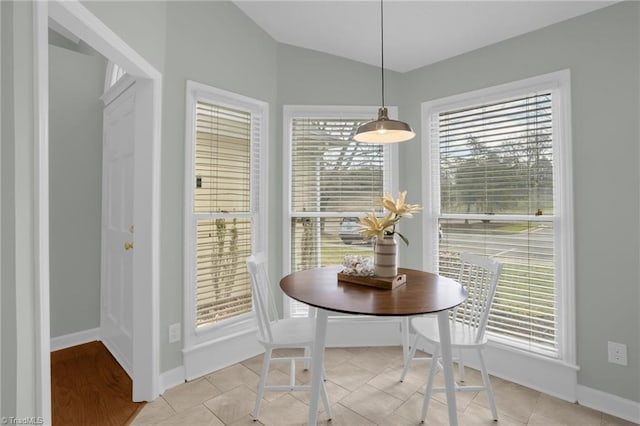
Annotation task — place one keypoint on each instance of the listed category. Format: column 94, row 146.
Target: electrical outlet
column 617, row 353
column 174, row 333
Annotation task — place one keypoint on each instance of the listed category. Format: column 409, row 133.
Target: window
column 332, row 182
column 114, row 73
column 499, row 185
column 225, row 217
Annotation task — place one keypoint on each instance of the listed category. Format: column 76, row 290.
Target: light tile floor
column 364, row 389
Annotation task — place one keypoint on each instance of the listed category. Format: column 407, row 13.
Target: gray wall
column 18, row 256
column 7, row 229
column 602, row 51
column 199, row 48
column 76, row 81
column 307, row 77
column 142, row 24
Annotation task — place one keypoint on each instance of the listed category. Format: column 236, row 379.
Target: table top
column 423, row 293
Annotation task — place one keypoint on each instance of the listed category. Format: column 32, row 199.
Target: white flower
column 371, row 226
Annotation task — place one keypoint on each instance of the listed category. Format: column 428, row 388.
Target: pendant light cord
column 383, row 130
column 382, row 48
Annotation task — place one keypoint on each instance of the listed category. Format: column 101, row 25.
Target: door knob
column 128, row 246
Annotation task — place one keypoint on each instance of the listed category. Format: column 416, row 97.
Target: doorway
column 144, row 359
column 118, row 231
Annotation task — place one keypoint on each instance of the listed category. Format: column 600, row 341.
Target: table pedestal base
column 445, row 347
column 317, row 362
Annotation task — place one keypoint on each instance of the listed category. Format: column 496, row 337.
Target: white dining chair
column 479, row 276
column 274, row 333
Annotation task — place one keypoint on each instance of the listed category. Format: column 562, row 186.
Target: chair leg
column 325, row 400
column 430, row 380
column 307, row 355
column 407, row 361
column 263, row 380
column 487, row 386
column 460, row 366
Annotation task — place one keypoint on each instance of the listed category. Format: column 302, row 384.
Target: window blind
column 497, row 158
column 223, row 289
column 334, row 182
column 223, row 210
column 494, row 169
column 330, row 172
column 223, row 160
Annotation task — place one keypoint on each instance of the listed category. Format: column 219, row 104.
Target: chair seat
column 461, row 335
column 291, row 332
column 479, row 276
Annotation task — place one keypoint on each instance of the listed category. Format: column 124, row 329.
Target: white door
column 116, row 314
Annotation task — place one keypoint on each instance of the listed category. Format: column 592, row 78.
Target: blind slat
column 226, row 163
column 222, row 159
column 330, row 171
column 498, row 159
column 332, row 177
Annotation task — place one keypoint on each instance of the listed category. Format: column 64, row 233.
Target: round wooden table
column 423, row 293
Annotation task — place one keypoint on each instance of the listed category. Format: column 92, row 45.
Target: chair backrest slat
column 479, row 276
column 262, row 298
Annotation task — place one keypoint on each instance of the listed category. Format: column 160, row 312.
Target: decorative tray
column 373, row 281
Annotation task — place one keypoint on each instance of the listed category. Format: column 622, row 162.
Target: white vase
column 385, row 253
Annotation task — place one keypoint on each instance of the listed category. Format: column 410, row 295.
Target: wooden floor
column 88, row 387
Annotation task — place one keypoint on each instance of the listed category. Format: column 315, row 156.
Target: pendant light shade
column 383, row 130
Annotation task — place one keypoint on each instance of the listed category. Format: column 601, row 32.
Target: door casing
column 145, row 363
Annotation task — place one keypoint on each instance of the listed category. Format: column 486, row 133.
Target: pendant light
column 383, row 130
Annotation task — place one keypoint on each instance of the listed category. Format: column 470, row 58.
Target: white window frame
column 112, row 75
column 195, row 91
column 291, row 112
column 559, row 84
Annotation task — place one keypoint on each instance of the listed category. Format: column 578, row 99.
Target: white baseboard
column 610, row 404
column 552, row 378
column 75, row 339
column 115, row 352
column 208, row 357
column 542, row 374
column 535, row 372
column 350, row 331
column 545, row 375
column 171, row 378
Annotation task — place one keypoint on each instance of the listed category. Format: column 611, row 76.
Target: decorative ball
column 358, row 265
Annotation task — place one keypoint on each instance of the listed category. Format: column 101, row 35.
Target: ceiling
column 416, row 33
